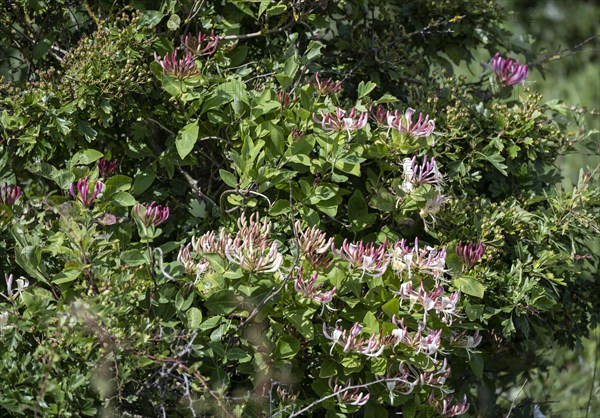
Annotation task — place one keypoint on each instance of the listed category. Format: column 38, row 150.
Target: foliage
column 206, row 226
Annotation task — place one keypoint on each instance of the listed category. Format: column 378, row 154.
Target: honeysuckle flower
column 348, row 396
column 434, row 300
column 430, row 343
column 415, row 174
column 178, row 67
column 445, row 407
column 508, row 71
column 309, row 288
column 427, row 260
column 186, row 259
column 470, row 253
column 325, row 87
column 421, row 128
column 466, row 341
column 371, row 260
column 379, row 114
column 209, row 243
column 348, row 339
column 81, row 191
column 250, row 248
column 341, row 121
column 3, row 323
column 22, row 284
column 9, row 194
column 201, row 44
column 285, row 99
column 107, row 168
column 151, row 214
column 314, row 245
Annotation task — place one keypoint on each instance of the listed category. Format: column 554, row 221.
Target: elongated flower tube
column 209, row 243
column 421, row 128
column 314, row 245
column 466, row 341
column 325, row 87
column 107, row 168
column 427, row 260
column 251, row 249
column 151, row 214
column 346, row 395
column 379, row 114
column 11, row 293
column 309, row 288
column 508, row 71
column 81, row 191
column 186, row 259
column 201, row 44
column 470, row 253
column 445, row 408
column 178, row 67
column 415, row 174
column 349, row 340
column 9, row 194
column 433, row 300
column 341, row 121
column 371, row 260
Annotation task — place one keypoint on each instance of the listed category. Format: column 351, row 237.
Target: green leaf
column 391, row 307
column 287, row 347
column 470, row 286
column 133, row 258
column 222, row 302
column 328, row 369
column 476, row 364
column 174, row 22
column 143, row 180
column 364, row 89
column 228, row 178
column 85, row 157
column 497, row 161
column 66, row 276
column 301, row 318
column 151, row 18
column 186, row 139
column 123, row 199
column 87, row 131
column 194, row 318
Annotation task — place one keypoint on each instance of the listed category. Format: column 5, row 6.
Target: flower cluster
column 309, row 288
column 210, row 243
column 82, row 192
column 189, row 264
column 348, row 394
column 433, row 300
column 470, row 253
column 445, row 408
column 314, row 245
column 183, row 67
column 325, row 87
column 151, row 214
column 421, row 128
column 426, row 260
column 508, row 71
column 415, row 174
column 251, row 248
column 11, row 293
column 409, row 377
column 341, row 120
column 201, row 44
column 350, row 341
column 370, row 259
column 9, row 194
column 107, row 168
column 379, row 114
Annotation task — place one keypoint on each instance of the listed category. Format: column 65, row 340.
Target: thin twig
column 515, row 399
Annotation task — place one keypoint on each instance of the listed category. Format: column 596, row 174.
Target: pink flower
column 372, row 260
column 404, row 124
column 470, row 253
column 347, row 394
column 151, row 214
column 508, row 71
column 379, row 114
column 107, row 168
column 349, row 340
column 83, row 193
column 427, row 260
column 314, row 245
column 9, row 194
column 341, row 121
column 209, row 243
column 309, row 288
column 178, row 67
column 325, row 87
column 415, row 174
column 201, row 44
